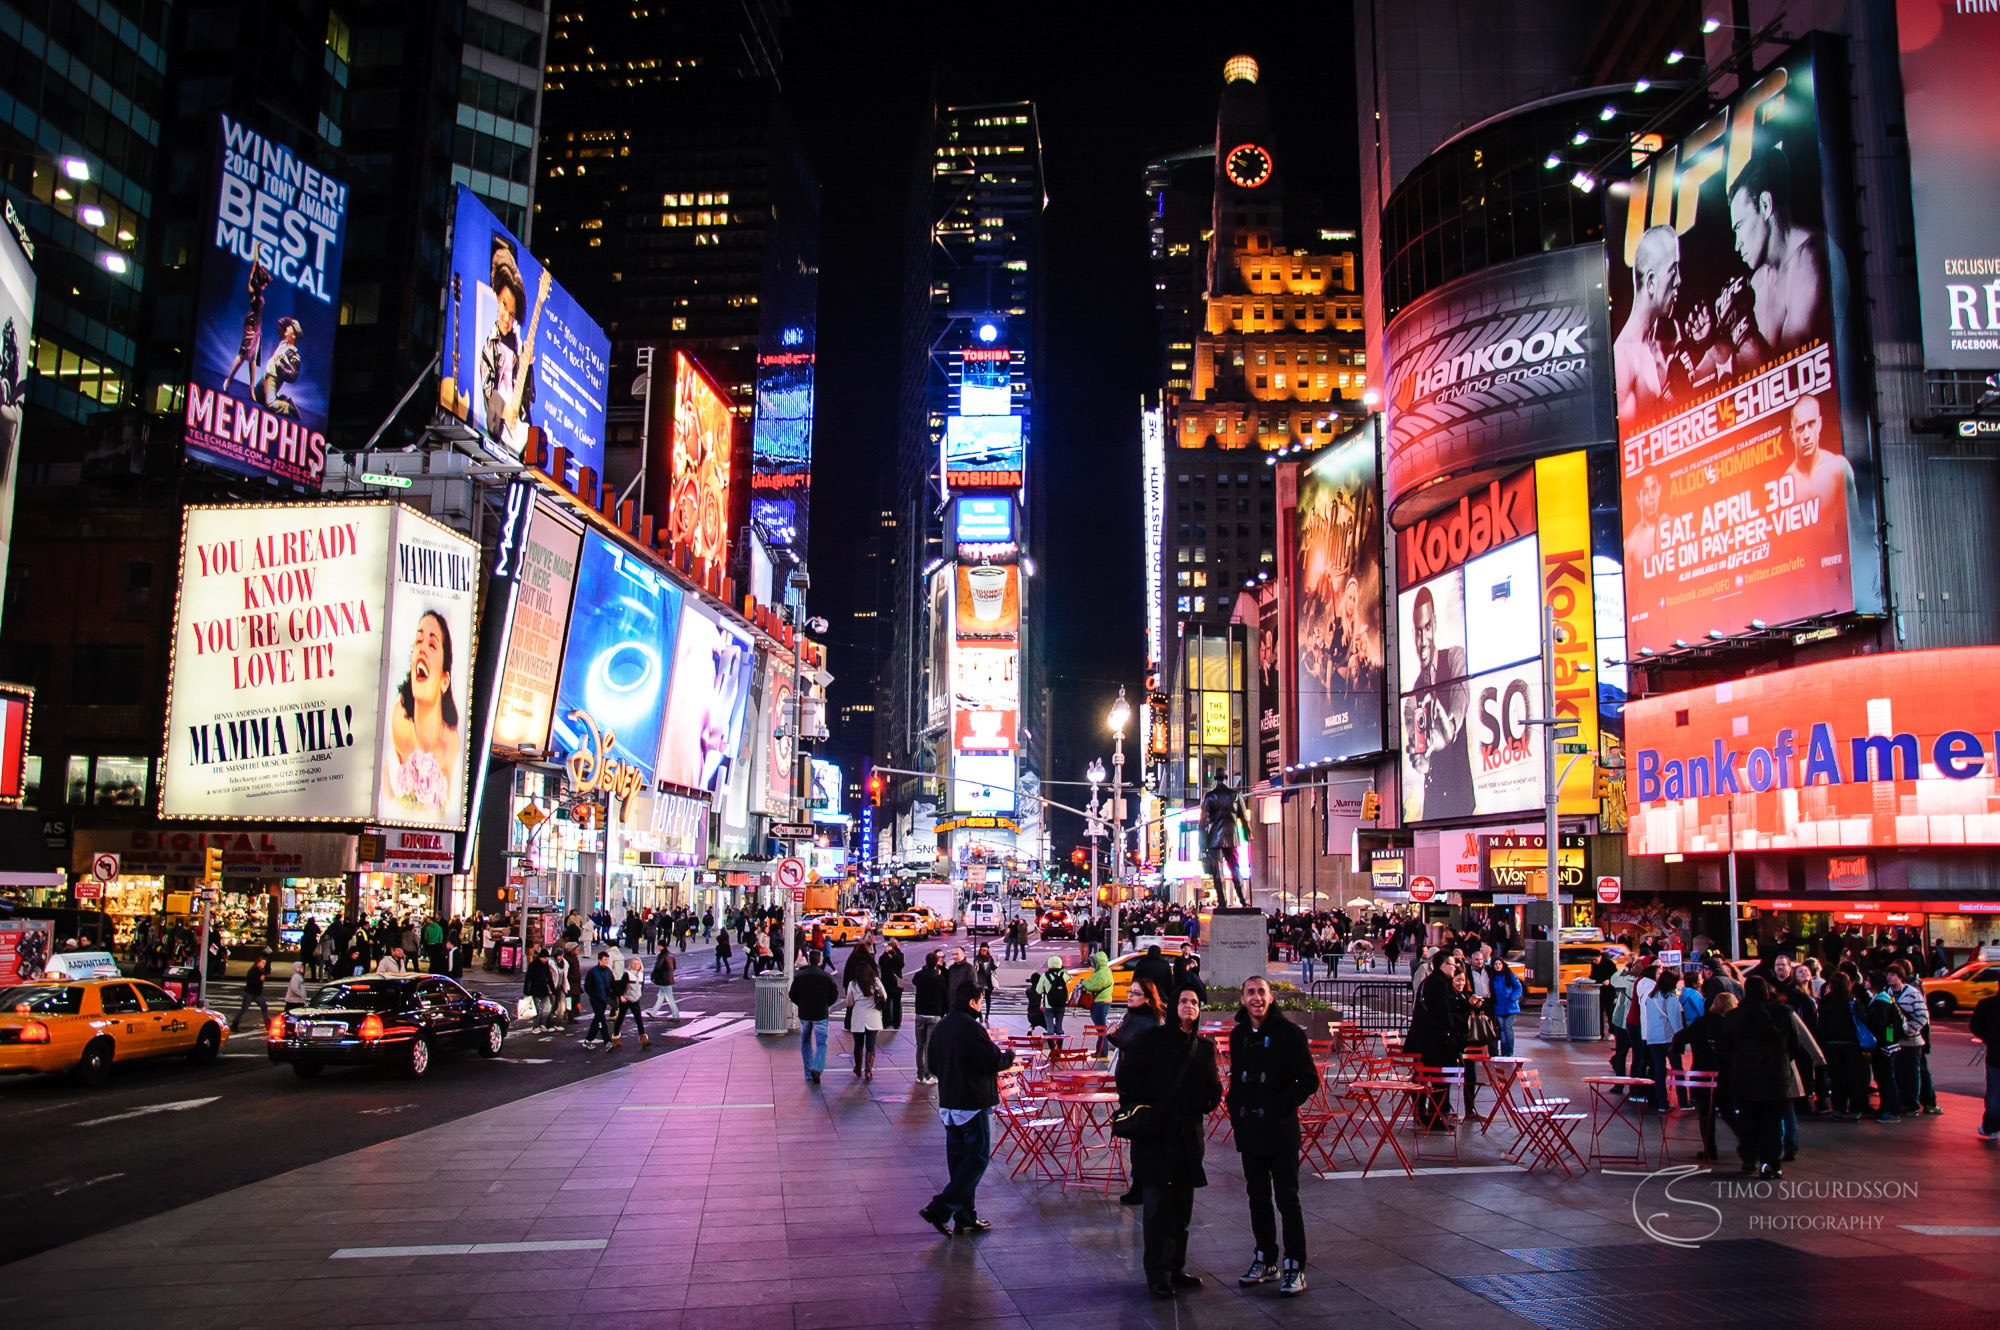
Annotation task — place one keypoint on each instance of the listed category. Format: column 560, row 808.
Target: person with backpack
column 1883, row 1022
column 664, row 970
column 1052, row 986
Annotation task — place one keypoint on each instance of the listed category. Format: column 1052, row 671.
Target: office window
column 76, row 790
column 1201, row 554
column 119, row 782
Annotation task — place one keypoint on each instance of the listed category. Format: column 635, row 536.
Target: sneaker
column 1888, row 1117
column 1261, row 1271
column 1933, row 1112
column 1986, row 1135
column 1293, row 1280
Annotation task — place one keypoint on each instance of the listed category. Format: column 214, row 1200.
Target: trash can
column 774, row 1008
column 182, row 982
column 1586, row 1018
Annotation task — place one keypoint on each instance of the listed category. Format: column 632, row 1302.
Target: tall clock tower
column 1249, row 189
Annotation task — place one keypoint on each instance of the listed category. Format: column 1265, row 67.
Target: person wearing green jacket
column 1097, row 988
column 434, row 943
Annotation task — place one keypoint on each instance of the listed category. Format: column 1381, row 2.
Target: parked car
column 399, row 1021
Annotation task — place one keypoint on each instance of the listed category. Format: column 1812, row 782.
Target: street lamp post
column 1093, row 829
column 1121, row 713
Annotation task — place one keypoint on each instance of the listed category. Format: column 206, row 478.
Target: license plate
column 328, row 1031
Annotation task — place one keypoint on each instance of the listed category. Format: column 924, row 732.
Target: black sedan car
column 1056, row 924
column 399, row 1021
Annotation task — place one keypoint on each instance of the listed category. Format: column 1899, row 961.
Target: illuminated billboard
column 535, row 643
column 986, row 698
column 1745, row 469
column 987, row 603
column 1334, row 576
column 322, row 656
column 976, row 447
column 1949, row 54
column 17, row 322
column 937, row 668
column 781, row 441
column 1477, row 579
column 982, row 784
column 518, row 351
column 1494, row 369
column 714, row 663
column 986, row 381
column 825, row 797
column 703, row 433
column 615, row 666
column 1153, row 487
column 985, row 519
column 261, row 370
column 1894, row 749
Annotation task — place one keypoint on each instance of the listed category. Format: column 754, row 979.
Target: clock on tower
column 1248, row 166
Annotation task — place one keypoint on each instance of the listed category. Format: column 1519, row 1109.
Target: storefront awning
column 25, row 857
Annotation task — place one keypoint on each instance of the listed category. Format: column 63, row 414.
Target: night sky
column 1110, row 96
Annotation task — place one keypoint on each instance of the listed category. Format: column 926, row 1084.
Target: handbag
column 1145, row 1121
column 1482, row 1029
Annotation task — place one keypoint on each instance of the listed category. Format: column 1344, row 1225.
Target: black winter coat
column 928, row 982
column 1158, row 969
column 966, row 1061
column 1271, row 1073
column 813, row 993
column 1436, row 1023
column 1173, row 1071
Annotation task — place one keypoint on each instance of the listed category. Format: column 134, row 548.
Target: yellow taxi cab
column 906, row 926
column 841, row 928
column 1964, row 988
column 1575, row 963
column 938, row 923
column 1121, row 972
column 83, row 1026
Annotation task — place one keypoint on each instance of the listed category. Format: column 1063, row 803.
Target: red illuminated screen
column 1739, row 491
column 1893, row 749
column 698, row 515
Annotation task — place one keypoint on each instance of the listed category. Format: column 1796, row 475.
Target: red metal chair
column 1446, row 1086
column 1694, row 1086
column 1548, row 1127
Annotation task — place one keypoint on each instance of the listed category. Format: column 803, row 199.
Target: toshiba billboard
column 1884, row 750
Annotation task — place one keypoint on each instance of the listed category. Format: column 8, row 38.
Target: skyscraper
column 964, row 691
column 675, row 202
column 499, row 107
column 1275, row 362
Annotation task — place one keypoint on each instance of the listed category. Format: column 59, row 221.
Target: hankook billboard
column 1745, row 470
column 1497, row 367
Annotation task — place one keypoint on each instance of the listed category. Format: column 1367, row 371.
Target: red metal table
column 1616, row 1115
column 1501, row 1074
column 1096, row 1157
column 1371, row 1094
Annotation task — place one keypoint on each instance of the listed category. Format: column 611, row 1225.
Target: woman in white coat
column 865, row 999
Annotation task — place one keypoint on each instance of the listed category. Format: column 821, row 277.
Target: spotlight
column 1551, row 162
column 1645, row 651
column 115, row 263
column 987, row 332
column 1584, row 181
column 1675, row 57
column 1581, row 137
column 1680, row 641
column 1711, row 25
column 75, row 168
column 1757, row 624
column 1716, row 634
column 1608, row 113
column 1642, row 85
column 92, row 215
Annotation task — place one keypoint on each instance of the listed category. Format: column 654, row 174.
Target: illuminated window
column 1200, row 604
column 1260, row 358
column 1181, row 554
column 1181, row 603
column 1281, row 382
column 1201, row 554
column 1184, row 578
column 680, row 324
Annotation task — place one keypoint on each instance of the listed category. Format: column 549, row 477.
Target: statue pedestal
column 1237, row 947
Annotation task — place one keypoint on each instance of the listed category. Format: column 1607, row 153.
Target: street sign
column 791, row 873
column 798, row 895
column 531, row 817
column 791, row 831
column 1423, row 888
column 104, row 867
column 89, row 891
column 1566, row 749
column 1609, row 889
column 1565, row 731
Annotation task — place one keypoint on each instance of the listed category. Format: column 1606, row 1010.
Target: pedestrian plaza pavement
column 713, row 1188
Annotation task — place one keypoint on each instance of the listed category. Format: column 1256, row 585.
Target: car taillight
column 277, row 1030
column 371, row 1027
column 34, row 1032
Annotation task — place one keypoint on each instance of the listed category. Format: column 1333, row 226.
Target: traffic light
column 875, row 783
column 1371, row 805
column 211, row 871
column 1603, row 783
column 1080, row 857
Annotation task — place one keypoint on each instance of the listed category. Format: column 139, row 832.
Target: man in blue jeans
column 1986, row 1029
column 967, row 1064
column 813, row 992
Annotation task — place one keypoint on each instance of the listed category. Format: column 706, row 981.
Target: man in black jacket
column 1271, row 1073
column 1157, row 968
column 967, row 1064
column 813, row 993
column 891, row 969
column 1986, row 1028
column 928, row 982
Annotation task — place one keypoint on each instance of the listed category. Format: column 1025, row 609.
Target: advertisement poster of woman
column 429, row 654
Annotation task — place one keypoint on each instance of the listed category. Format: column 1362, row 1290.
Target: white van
column 985, row 918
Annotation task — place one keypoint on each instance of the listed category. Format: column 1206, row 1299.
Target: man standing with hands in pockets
column 1271, row 1073
column 967, row 1064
